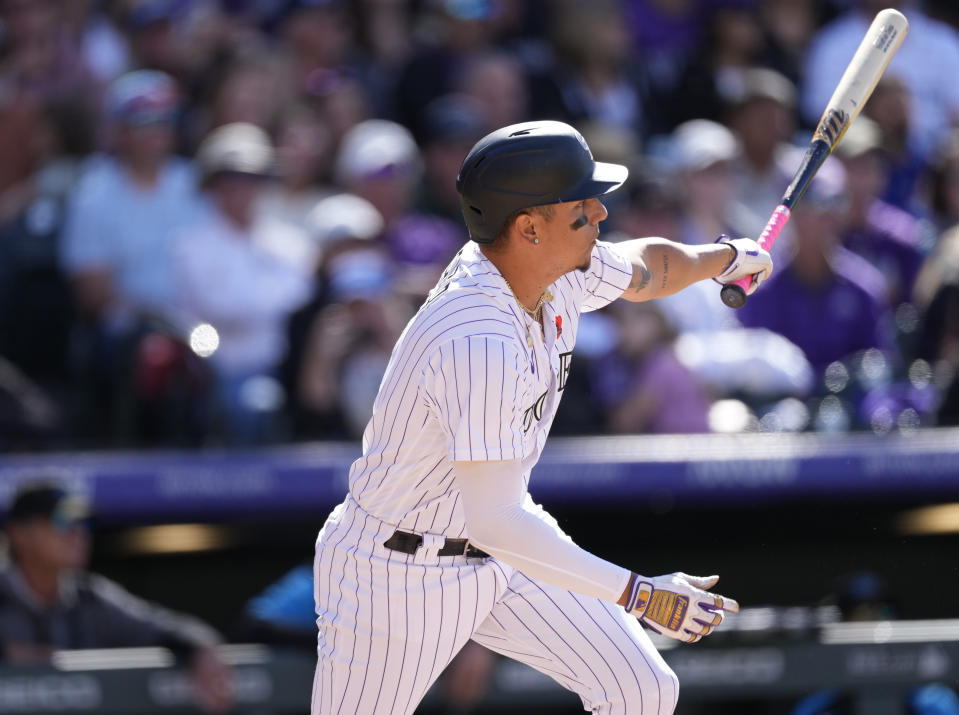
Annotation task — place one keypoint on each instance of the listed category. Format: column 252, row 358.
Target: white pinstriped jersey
column 463, row 384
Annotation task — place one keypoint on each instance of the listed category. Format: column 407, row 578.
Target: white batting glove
column 678, row 606
column 750, row 260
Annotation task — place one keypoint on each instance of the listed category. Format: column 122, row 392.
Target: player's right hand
column 750, row 260
column 678, row 605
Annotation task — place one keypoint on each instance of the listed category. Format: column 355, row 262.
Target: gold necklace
column 536, row 312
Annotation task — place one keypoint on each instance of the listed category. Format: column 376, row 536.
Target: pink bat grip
column 766, row 240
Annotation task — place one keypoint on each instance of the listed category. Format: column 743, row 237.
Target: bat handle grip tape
column 734, row 294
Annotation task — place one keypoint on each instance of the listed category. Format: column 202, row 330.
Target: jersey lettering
column 534, row 411
column 565, row 360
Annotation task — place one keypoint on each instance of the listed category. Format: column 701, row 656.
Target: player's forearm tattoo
column 642, row 280
column 665, row 269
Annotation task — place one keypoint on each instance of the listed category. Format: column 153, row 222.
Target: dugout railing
column 876, row 664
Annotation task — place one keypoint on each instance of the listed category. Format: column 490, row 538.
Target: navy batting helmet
column 526, row 165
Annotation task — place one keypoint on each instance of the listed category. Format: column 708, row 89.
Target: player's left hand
column 750, row 260
column 679, row 606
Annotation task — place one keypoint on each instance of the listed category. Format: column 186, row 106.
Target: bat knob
column 733, row 296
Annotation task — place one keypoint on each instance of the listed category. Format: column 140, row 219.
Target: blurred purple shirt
column 830, row 322
column 891, row 241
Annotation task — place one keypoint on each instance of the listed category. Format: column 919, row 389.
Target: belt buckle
column 466, row 547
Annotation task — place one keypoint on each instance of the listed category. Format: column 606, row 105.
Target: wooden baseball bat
column 880, row 43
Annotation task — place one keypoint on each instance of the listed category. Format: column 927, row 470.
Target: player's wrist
column 729, row 255
column 624, row 598
column 637, row 594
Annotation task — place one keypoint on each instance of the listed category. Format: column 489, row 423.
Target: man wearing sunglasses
column 50, row 602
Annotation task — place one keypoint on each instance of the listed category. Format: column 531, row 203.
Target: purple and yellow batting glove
column 678, row 605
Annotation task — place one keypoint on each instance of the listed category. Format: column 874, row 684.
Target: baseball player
column 438, row 541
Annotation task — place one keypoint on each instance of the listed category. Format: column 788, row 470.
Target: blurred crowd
column 216, row 216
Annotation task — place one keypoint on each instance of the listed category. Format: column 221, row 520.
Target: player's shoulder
column 470, row 284
column 609, row 254
column 465, row 310
column 469, row 302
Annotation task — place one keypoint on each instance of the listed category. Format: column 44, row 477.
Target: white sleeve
column 492, row 494
column 608, row 276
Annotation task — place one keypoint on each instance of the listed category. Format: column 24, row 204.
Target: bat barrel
column 882, row 39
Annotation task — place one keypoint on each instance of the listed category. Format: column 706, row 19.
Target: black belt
column 408, row 543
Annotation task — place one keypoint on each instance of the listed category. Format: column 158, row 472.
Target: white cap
column 699, row 143
column 239, row 148
column 374, row 147
column 863, row 136
column 342, row 216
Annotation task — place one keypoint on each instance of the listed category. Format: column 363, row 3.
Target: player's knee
column 658, row 694
column 670, row 692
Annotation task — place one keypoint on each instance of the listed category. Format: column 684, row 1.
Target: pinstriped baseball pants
column 389, row 623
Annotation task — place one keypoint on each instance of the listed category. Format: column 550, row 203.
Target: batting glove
column 750, row 260
column 677, row 605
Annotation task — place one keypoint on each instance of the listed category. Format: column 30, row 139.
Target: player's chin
column 582, row 268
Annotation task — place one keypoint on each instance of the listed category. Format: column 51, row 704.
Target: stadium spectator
column 40, row 58
column 599, row 81
column 789, row 26
column 655, row 203
column 889, row 238
column 938, row 299
column 303, row 153
column 244, row 85
column 36, row 307
column 453, row 34
column 317, row 36
column 701, row 153
column 153, row 33
column 379, row 161
column 97, row 30
column 454, row 123
column 126, row 204
column 226, row 279
column 38, row 63
column 117, row 240
column 642, row 385
column 760, row 110
column 669, row 34
column 341, row 341
column 496, row 81
column 944, row 185
column 49, row 600
column 726, row 358
column 340, row 100
column 908, row 165
column 930, row 46
column 384, row 32
column 824, row 279
column 734, row 43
